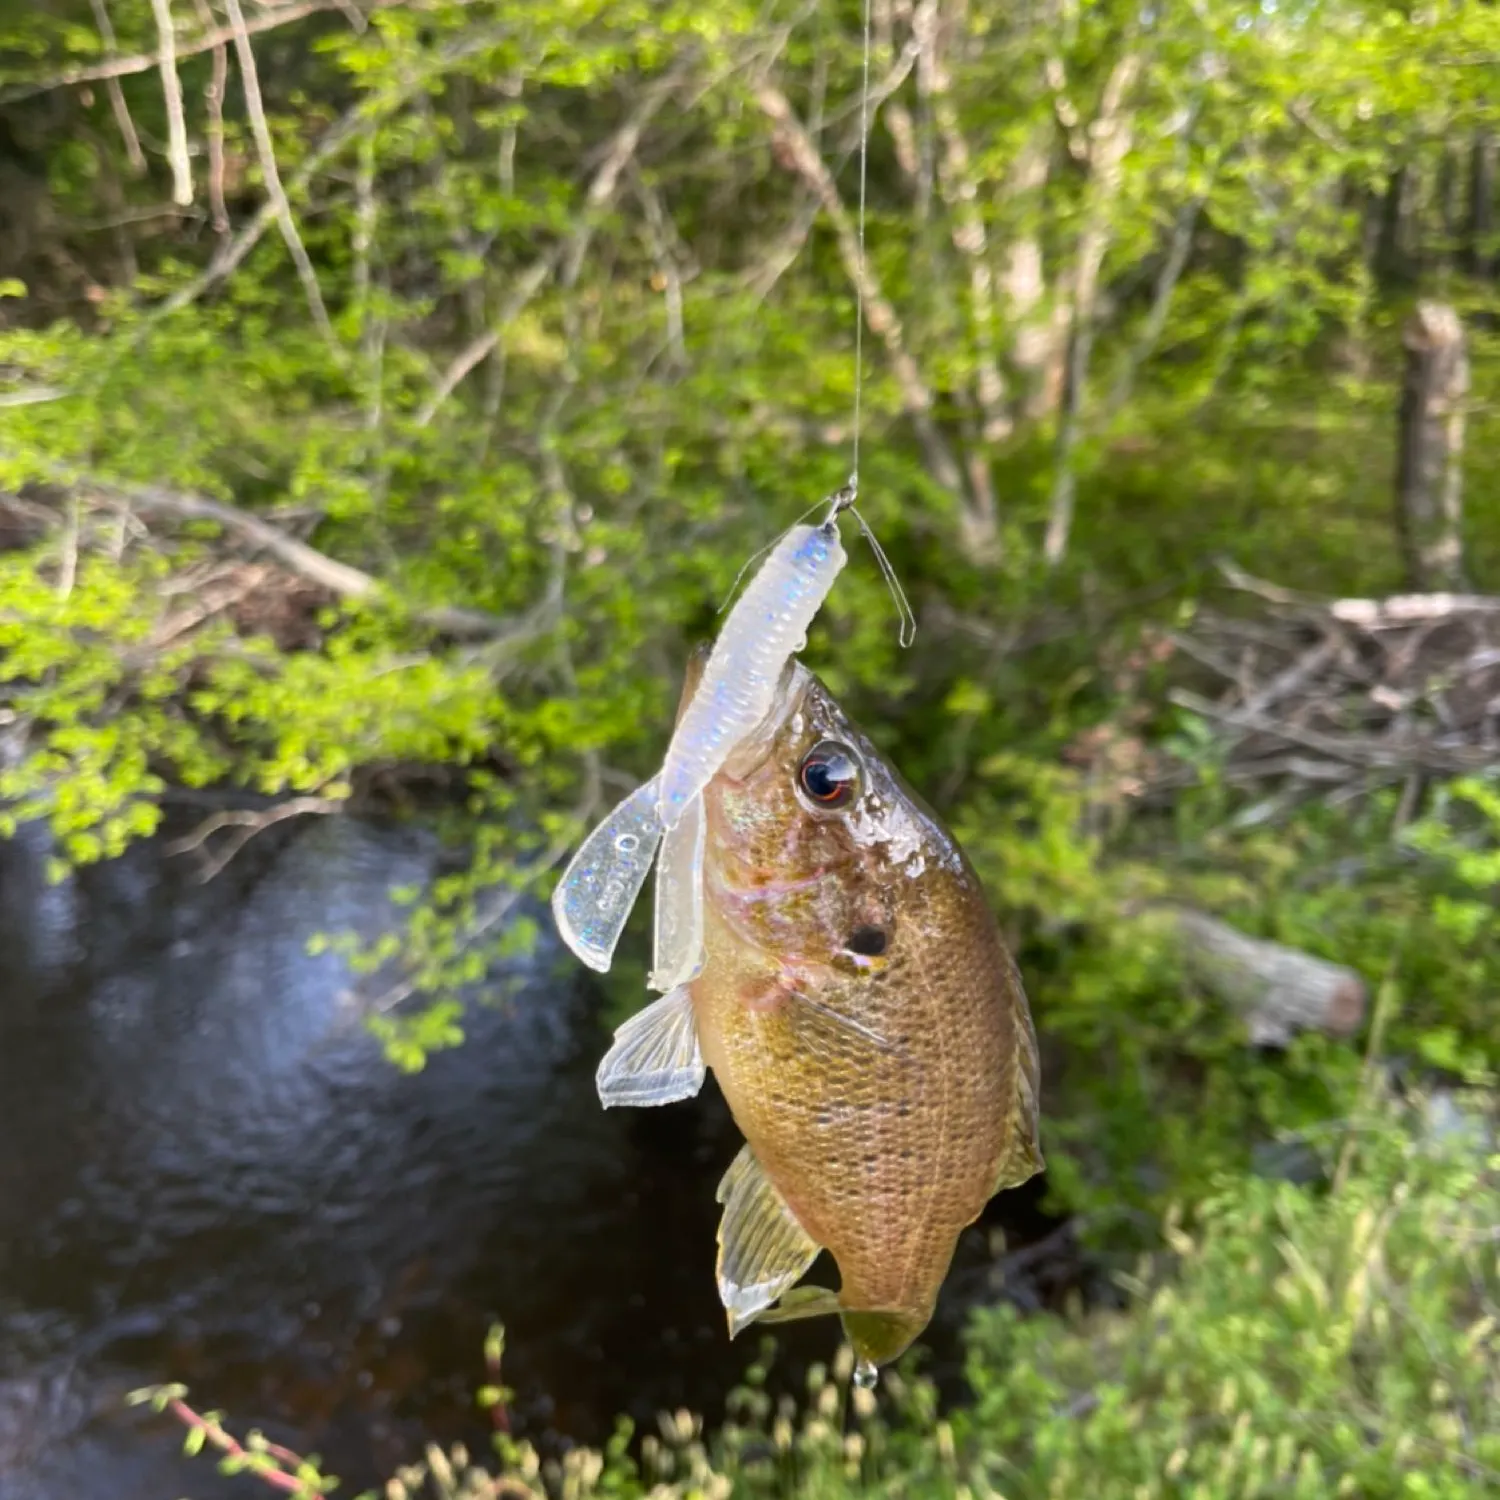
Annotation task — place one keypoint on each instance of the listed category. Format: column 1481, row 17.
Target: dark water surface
column 209, row 1173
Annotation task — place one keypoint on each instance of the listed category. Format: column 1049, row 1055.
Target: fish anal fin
column 763, row 1250
column 655, row 1058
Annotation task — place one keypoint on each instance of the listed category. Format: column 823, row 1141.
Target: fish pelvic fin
column 655, row 1058
column 763, row 1250
column 802, row 1302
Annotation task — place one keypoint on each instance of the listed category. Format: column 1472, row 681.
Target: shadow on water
column 209, row 1173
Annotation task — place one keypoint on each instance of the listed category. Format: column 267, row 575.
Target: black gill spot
column 868, row 942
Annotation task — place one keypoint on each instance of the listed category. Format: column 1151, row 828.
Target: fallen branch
column 307, row 562
column 1278, row 990
column 1361, row 750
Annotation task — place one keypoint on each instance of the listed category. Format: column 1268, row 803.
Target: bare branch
column 213, row 97
column 247, row 825
column 266, row 150
column 788, row 246
column 338, row 135
column 171, row 87
column 1110, row 135
column 960, row 194
column 133, row 152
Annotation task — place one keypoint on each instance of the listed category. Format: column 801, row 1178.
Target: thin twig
column 601, row 190
column 247, row 826
column 215, row 1434
column 171, row 88
column 880, row 315
column 266, row 150
column 133, row 153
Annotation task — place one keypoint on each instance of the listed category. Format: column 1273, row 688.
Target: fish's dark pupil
column 829, row 774
column 869, row 942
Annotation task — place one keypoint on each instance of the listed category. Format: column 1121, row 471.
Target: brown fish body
column 859, row 1009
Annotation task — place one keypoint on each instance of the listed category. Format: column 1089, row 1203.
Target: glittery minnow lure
column 766, row 627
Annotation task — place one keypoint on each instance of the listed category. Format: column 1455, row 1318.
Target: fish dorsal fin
column 763, row 1250
column 599, row 888
column 678, row 954
column 1023, row 1155
column 655, row 1058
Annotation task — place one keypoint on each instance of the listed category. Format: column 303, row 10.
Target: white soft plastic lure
column 766, row 628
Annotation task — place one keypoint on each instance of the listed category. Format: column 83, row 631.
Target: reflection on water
column 209, row 1173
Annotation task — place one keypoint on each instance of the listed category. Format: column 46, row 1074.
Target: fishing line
column 859, row 280
column 844, row 498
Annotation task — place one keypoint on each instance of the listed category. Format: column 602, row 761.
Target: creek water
column 210, row 1173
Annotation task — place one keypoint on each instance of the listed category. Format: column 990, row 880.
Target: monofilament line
column 859, row 279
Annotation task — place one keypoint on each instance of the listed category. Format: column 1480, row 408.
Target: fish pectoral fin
column 599, row 888
column 802, row 1302
column 655, row 1058
column 763, row 1250
column 825, row 1032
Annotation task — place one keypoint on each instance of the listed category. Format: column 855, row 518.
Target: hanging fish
column 862, row 1016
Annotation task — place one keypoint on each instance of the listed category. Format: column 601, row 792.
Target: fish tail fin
column 879, row 1335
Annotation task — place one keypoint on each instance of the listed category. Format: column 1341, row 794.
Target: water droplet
column 627, row 843
column 865, row 1375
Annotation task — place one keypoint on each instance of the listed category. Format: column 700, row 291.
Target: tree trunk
column 1393, row 261
column 1429, row 459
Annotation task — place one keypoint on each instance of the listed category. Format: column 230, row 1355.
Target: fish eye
column 829, row 775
